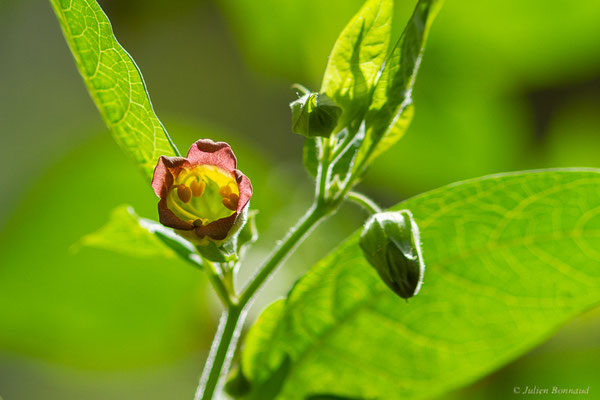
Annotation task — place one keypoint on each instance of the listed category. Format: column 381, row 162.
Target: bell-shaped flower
column 203, row 196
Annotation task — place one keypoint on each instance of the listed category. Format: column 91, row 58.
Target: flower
column 203, row 195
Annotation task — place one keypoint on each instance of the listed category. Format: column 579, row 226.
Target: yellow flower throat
column 203, row 194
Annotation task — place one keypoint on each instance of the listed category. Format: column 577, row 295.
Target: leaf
column 128, row 234
column 509, row 259
column 391, row 110
column 114, row 81
column 357, row 57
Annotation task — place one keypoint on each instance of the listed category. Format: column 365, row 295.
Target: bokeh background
column 504, row 86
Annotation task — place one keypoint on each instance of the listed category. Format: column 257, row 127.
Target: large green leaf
column 114, row 82
column 390, row 111
column 357, row 57
column 509, row 258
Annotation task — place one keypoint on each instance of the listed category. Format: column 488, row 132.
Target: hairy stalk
column 219, row 284
column 225, row 341
column 364, row 202
column 221, row 352
column 289, row 243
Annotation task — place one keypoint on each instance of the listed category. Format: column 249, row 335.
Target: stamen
column 184, row 193
column 225, row 191
column 231, row 201
column 198, row 188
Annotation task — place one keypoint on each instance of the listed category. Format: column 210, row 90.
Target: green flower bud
column 390, row 243
column 314, row 114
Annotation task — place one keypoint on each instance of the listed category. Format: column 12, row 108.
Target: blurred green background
column 504, row 86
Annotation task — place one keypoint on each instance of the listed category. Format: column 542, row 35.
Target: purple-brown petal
column 168, row 218
column 164, row 174
column 218, row 229
column 245, row 189
column 205, row 151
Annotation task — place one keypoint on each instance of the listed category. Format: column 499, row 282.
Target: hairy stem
column 221, row 353
column 218, row 283
column 287, row 245
column 225, row 340
column 364, row 202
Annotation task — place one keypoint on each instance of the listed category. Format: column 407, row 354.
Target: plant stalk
column 221, row 353
column 287, row 245
column 219, row 284
column 364, row 202
column 225, row 341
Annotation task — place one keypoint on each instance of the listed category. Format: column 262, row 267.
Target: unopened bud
column 390, row 243
column 314, row 114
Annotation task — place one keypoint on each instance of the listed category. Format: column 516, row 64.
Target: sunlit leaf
column 114, row 82
column 390, row 111
column 129, row 234
column 357, row 57
column 509, row 259
column 124, row 234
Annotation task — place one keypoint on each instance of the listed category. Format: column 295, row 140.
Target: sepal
column 314, row 114
column 391, row 244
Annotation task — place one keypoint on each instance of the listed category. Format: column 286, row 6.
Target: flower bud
column 203, row 196
column 314, row 114
column 390, row 243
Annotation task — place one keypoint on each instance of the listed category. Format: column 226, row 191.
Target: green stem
column 301, row 88
column 221, row 352
column 218, row 283
column 364, row 202
column 225, row 340
column 321, row 194
column 287, row 245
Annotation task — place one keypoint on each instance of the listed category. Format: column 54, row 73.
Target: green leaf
column 114, row 81
column 509, row 259
column 357, row 57
column 390, row 111
column 128, row 234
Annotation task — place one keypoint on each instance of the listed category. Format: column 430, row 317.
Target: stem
column 221, row 352
column 301, row 88
column 225, row 341
column 364, row 202
column 219, row 285
column 322, row 176
column 287, row 245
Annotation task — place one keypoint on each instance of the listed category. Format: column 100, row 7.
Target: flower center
column 203, row 194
